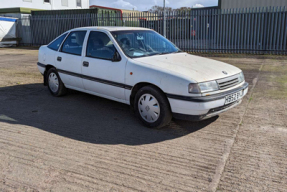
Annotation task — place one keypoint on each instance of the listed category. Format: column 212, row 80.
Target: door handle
column 86, row 64
column 59, row 58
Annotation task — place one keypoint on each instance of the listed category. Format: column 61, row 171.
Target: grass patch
column 277, row 75
column 16, row 73
column 275, row 68
column 279, row 88
column 282, row 80
column 277, row 94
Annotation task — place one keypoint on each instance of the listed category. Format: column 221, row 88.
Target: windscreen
column 141, row 43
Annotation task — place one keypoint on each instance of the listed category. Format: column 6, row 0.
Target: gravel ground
column 85, row 143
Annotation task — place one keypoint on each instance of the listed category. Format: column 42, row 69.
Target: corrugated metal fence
column 255, row 31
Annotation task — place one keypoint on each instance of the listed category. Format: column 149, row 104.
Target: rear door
column 69, row 59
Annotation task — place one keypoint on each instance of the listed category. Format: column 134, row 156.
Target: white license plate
column 233, row 97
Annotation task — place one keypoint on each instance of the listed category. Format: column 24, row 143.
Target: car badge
column 224, row 72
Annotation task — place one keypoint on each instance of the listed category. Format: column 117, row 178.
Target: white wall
column 39, row 4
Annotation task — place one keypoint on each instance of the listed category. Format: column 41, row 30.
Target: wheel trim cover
column 53, row 82
column 149, row 108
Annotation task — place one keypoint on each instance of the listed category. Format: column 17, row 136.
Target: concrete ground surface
column 81, row 142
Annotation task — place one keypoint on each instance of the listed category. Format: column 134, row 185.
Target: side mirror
column 116, row 57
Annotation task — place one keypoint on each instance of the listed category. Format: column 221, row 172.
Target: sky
column 144, row 5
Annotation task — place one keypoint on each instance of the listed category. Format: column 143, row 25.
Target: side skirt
column 99, row 95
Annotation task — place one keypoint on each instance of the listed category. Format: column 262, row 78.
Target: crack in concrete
column 229, row 144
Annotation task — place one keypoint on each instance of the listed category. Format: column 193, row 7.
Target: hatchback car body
column 139, row 67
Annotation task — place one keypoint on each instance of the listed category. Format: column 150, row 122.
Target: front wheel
column 152, row 107
column 55, row 85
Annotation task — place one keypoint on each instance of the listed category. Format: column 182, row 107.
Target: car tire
column 55, row 84
column 152, row 107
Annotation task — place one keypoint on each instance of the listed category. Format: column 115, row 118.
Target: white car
column 141, row 68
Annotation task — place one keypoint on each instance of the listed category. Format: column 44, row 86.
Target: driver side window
column 100, row 46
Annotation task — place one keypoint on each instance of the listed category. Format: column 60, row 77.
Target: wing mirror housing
column 116, row 57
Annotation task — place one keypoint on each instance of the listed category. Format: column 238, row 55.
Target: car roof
column 112, row 28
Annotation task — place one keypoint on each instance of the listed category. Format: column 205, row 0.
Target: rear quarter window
column 56, row 43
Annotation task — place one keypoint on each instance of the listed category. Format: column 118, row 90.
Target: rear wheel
column 152, row 107
column 55, row 85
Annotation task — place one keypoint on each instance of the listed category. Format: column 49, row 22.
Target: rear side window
column 74, row 43
column 56, row 44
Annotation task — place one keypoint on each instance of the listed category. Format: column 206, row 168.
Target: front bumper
column 199, row 108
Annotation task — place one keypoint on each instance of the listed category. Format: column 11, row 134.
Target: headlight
column 208, row 86
column 241, row 77
column 203, row 87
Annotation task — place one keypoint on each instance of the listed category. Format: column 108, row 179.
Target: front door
column 100, row 74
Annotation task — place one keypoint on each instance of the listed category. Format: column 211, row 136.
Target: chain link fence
column 254, row 31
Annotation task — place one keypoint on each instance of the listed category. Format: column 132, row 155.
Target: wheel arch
column 46, row 71
column 140, row 85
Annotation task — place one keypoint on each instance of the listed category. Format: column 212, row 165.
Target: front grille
column 228, row 82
